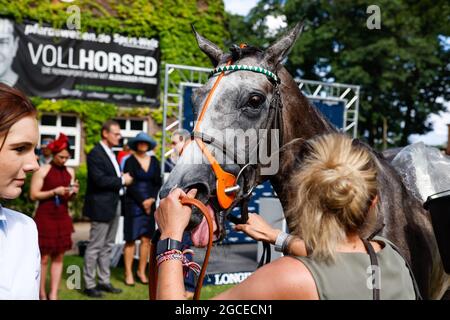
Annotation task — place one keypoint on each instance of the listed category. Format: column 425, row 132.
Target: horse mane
column 238, row 53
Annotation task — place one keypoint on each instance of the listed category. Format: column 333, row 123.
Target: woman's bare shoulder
column 296, row 278
column 43, row 170
column 283, row 279
column 71, row 171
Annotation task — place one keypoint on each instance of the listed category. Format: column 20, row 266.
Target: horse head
column 237, row 117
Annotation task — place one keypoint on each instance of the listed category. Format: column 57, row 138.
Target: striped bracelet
column 180, row 256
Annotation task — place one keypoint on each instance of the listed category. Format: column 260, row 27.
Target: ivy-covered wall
column 168, row 20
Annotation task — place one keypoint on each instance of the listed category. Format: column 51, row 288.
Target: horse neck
column 301, row 120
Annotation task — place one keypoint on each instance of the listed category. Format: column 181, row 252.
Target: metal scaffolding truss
column 178, row 77
column 347, row 93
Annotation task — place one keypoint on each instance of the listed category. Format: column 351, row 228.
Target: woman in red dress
column 53, row 185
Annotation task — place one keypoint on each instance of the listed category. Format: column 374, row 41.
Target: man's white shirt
column 113, row 159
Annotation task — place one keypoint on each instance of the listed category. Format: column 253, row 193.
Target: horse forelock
column 237, row 53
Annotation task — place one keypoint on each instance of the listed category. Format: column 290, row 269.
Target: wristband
column 281, row 238
column 286, row 245
column 167, row 245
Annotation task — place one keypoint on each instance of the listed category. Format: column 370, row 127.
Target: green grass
column 138, row 292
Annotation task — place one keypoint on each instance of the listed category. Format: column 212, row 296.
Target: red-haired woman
column 19, row 251
column 53, row 185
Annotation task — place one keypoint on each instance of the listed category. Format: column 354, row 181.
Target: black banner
column 61, row 63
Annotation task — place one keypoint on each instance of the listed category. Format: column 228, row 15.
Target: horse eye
column 255, row 101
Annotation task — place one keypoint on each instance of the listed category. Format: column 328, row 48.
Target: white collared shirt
column 113, row 159
column 20, row 259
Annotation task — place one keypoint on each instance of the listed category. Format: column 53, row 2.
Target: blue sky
column 241, row 7
column 436, row 137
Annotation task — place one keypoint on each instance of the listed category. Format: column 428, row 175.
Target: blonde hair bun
column 334, row 188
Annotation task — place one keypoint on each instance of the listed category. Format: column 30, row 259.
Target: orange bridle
column 225, row 179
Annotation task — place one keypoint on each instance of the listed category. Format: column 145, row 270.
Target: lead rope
column 153, row 272
column 374, row 269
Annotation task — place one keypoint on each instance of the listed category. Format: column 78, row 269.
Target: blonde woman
column 335, row 198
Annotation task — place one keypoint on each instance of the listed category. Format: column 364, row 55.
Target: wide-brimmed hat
column 142, row 137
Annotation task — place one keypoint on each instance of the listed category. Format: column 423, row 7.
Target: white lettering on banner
column 60, row 56
column 101, row 61
column 86, row 59
column 71, row 60
column 141, row 43
column 127, row 64
column 114, row 63
column 139, row 64
column 34, row 55
column 97, row 95
column 72, row 93
column 122, row 97
column 142, row 68
column 150, row 44
column 151, row 66
column 45, row 55
column 230, row 278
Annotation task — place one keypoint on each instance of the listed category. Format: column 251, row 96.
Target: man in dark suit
column 105, row 186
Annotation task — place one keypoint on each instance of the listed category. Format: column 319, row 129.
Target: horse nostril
column 203, row 196
column 202, row 191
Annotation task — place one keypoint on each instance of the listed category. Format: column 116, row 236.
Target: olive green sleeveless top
column 350, row 276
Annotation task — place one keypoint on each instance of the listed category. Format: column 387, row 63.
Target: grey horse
column 242, row 101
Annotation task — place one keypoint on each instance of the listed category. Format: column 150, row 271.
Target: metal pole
column 163, row 142
column 355, row 129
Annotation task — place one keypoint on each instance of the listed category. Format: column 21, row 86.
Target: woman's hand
column 172, row 217
column 75, row 188
column 61, row 191
column 147, row 204
column 258, row 229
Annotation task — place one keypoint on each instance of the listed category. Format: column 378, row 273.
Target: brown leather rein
column 153, row 277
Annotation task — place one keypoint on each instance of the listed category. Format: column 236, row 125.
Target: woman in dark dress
column 53, row 185
column 139, row 208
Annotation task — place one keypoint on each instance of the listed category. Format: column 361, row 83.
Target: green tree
column 402, row 67
column 252, row 29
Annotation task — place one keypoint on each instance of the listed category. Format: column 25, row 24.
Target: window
column 52, row 125
column 122, row 123
column 69, row 121
column 129, row 129
column 48, row 120
column 136, row 125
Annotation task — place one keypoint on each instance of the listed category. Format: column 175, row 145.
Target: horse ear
column 212, row 51
column 281, row 48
